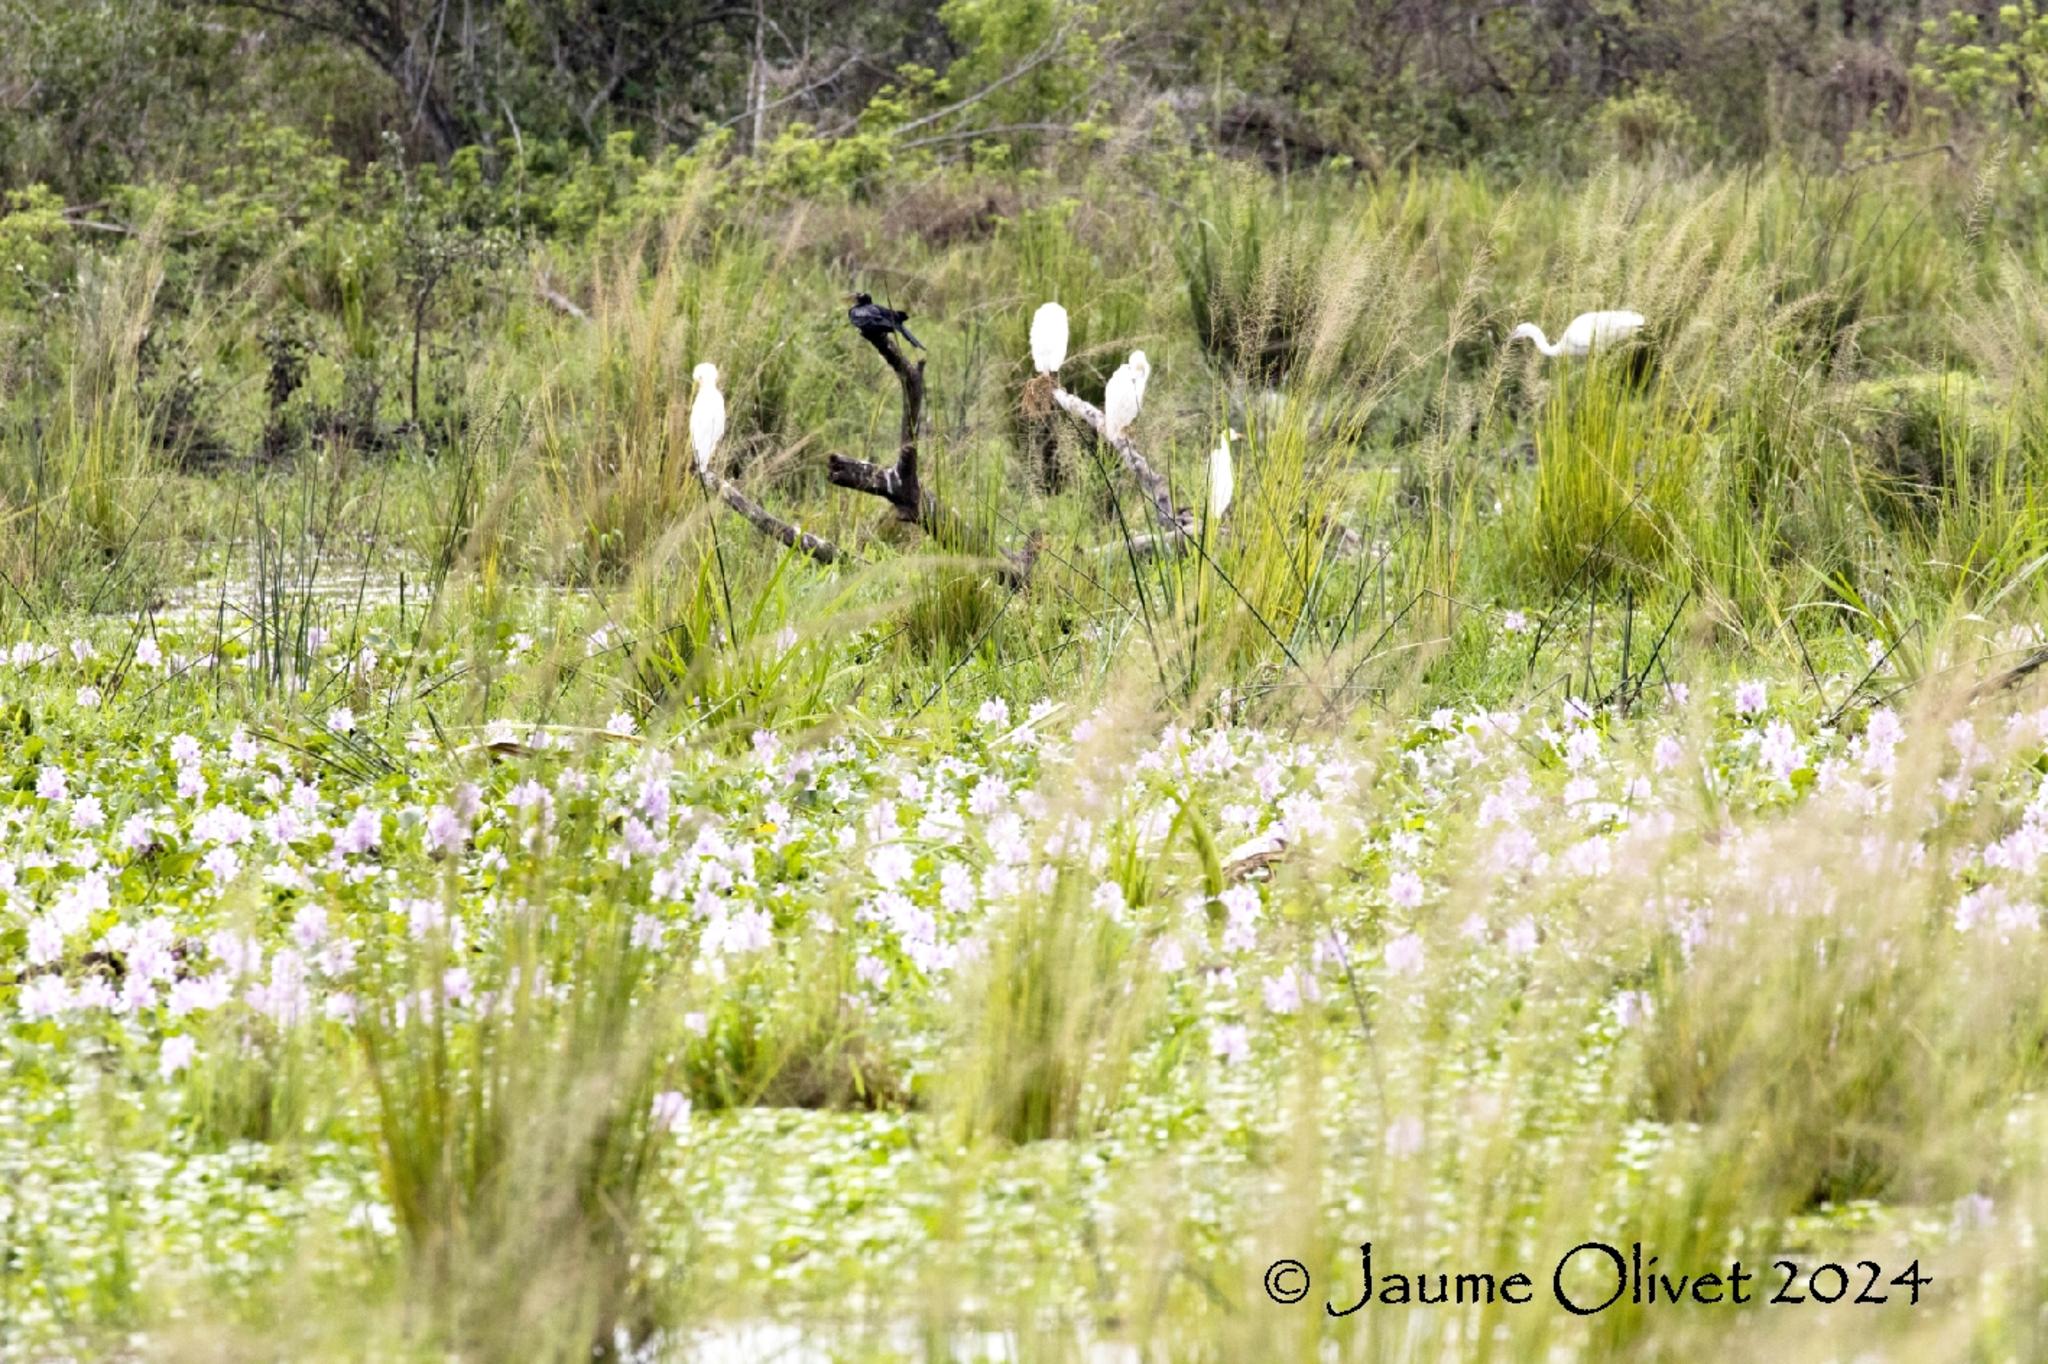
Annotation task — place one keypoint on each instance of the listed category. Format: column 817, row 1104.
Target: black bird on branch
column 875, row 321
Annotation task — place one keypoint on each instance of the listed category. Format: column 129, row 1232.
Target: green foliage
column 1647, row 122
column 999, row 38
column 32, row 232
column 1614, row 469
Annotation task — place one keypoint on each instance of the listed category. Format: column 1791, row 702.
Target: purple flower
column 175, row 1055
column 45, row 996
column 1282, row 993
column 87, row 814
column 362, row 832
column 445, row 831
column 1404, row 890
column 671, row 1111
column 1230, row 1042
column 52, row 783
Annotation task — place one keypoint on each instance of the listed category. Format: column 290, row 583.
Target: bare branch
column 898, row 484
column 970, row 134
column 834, row 74
column 715, row 483
column 1044, row 54
column 558, row 300
column 1176, row 521
column 770, row 525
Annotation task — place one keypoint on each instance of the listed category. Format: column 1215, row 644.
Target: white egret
column 1048, row 338
column 1124, row 394
column 1586, row 333
column 1222, row 479
column 707, row 413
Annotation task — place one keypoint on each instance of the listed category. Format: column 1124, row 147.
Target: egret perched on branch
column 1123, row 395
column 1222, row 479
column 1048, row 338
column 1587, row 332
column 707, row 414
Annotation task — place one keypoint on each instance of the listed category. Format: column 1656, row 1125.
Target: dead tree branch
column 763, row 520
column 899, row 484
column 556, row 299
column 1177, row 522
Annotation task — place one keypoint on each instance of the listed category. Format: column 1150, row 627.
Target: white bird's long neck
column 1544, row 343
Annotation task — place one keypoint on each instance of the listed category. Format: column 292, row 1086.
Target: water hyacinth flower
column 1751, row 698
column 1404, row 1137
column 361, row 834
column 52, row 783
column 1404, row 889
column 309, row 926
column 1282, row 993
column 44, row 996
column 1230, row 1043
column 891, row 864
column 670, row 1111
column 87, row 814
column 1404, row 955
column 223, row 863
column 1780, row 751
column 1973, row 1212
column 1241, row 908
column 1631, row 1007
column 45, row 940
column 445, row 831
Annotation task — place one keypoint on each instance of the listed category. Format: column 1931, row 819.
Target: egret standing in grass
column 1585, row 334
column 1222, row 479
column 1124, row 394
column 1048, row 338
column 707, row 415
